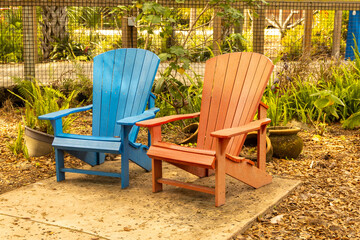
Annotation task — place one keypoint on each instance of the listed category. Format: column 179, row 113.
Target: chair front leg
column 125, row 156
column 155, row 133
column 156, row 174
column 220, row 171
column 261, row 148
column 261, row 138
column 59, row 164
column 59, row 154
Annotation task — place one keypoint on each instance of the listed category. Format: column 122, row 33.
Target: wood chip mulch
column 327, row 204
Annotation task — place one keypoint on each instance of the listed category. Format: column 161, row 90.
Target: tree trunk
column 54, row 28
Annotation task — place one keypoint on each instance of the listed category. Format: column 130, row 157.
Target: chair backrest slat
column 216, row 95
column 97, row 84
column 121, row 87
column 225, row 106
column 106, row 91
column 134, row 83
column 244, row 62
column 233, row 87
column 206, row 100
column 148, row 71
column 119, row 68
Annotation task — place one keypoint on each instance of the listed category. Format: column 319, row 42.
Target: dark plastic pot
column 38, row 143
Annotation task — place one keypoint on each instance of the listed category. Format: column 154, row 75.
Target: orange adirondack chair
column 233, row 86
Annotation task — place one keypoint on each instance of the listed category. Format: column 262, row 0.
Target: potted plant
column 40, row 100
column 284, row 139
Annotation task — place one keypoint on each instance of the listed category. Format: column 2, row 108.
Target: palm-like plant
column 54, row 28
column 40, row 100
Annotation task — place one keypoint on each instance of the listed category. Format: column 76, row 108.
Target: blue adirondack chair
column 122, row 82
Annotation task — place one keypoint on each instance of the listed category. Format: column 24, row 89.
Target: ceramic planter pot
column 38, row 143
column 285, row 141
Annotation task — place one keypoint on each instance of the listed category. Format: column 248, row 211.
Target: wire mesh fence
column 57, row 40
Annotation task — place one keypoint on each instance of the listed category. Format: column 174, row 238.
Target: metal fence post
column 30, row 41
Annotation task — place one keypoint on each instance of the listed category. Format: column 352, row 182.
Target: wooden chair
column 233, row 86
column 122, row 82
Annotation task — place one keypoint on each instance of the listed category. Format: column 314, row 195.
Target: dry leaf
column 276, row 219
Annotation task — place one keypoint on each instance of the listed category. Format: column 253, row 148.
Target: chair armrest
column 63, row 113
column 167, row 119
column 153, row 96
column 148, row 114
column 264, row 105
column 231, row 132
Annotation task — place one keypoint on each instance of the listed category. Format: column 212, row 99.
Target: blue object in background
column 353, row 33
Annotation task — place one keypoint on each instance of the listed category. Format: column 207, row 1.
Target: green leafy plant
column 326, row 103
column 349, row 85
column 93, row 17
column 11, row 41
column 352, row 122
column 322, row 92
column 278, row 90
column 18, row 146
column 68, row 49
column 175, row 86
column 40, row 100
column 180, row 96
column 81, row 83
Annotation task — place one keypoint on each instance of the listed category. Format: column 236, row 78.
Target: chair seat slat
column 87, row 145
column 190, row 158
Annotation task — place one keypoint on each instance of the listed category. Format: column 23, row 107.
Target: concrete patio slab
column 93, row 207
column 22, row 228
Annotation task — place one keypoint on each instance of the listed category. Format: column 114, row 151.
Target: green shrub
column 11, row 41
column 18, row 146
column 328, row 93
column 179, row 96
column 70, row 50
column 40, row 100
column 82, row 84
column 293, row 41
column 94, row 17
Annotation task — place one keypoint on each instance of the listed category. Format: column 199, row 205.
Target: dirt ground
column 325, row 206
